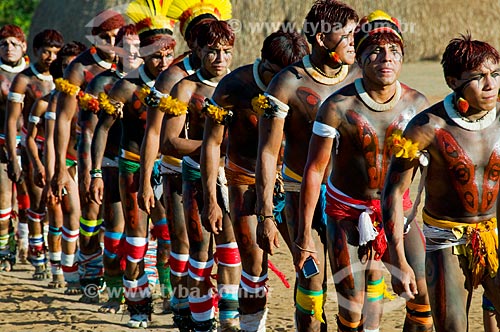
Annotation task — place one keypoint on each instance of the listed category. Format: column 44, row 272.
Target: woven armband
column 269, row 106
column 88, row 102
column 111, row 107
column 15, row 97
column 34, row 119
column 66, row 87
column 216, row 113
column 50, row 116
column 154, row 98
column 324, row 130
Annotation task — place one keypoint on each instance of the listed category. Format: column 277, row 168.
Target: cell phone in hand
column 310, row 268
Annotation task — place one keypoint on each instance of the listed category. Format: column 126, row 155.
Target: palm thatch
column 427, row 24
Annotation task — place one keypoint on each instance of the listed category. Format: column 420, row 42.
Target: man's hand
column 146, row 198
column 267, row 235
column 403, row 280
column 39, row 176
column 211, row 217
column 302, row 249
column 97, row 190
column 59, row 182
column 14, row 171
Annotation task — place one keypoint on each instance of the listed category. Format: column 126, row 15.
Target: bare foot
column 111, row 307
column 73, row 288
column 230, row 325
column 41, row 273
column 166, row 306
column 23, row 255
column 5, row 265
column 57, row 281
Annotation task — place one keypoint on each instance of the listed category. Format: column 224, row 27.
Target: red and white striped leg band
column 69, row 267
column 200, row 271
column 23, row 201
column 202, row 308
column 5, row 214
column 69, row 235
column 178, row 264
column 160, row 231
column 136, row 290
column 34, row 216
column 113, row 243
column 227, row 254
column 136, row 248
column 253, row 284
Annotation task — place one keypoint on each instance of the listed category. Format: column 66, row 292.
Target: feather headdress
column 190, row 12
column 150, row 17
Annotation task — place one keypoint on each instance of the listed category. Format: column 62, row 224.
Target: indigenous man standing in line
column 76, row 77
column 235, row 94
column 12, row 49
column 289, row 107
column 461, row 136
column 29, row 85
column 352, row 128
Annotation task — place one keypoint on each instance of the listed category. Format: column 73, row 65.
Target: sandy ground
column 28, row 305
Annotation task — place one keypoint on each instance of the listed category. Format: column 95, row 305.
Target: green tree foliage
column 17, row 12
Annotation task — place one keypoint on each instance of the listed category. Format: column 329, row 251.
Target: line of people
column 317, row 143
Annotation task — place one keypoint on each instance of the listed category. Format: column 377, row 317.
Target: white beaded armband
column 15, row 97
column 50, row 116
column 278, row 109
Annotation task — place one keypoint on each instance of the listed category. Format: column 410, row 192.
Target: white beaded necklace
column 208, row 82
column 102, row 63
column 474, row 125
column 365, row 97
column 145, row 78
column 256, row 76
column 187, row 65
column 16, row 69
column 42, row 77
column 321, row 77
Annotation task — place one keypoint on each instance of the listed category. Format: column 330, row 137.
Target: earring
column 462, row 105
column 335, row 57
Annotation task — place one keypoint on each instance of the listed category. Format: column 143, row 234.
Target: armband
column 153, row 99
column 269, row 106
column 111, row 107
column 15, row 97
column 216, row 113
column 88, row 102
column 324, row 130
column 50, row 116
column 34, row 119
column 66, row 87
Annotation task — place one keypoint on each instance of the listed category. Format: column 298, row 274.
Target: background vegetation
column 17, row 12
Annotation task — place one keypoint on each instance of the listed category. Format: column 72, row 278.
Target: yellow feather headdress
column 190, row 12
column 150, row 17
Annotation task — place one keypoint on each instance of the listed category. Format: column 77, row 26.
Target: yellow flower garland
column 260, row 104
column 66, row 87
column 217, row 113
column 111, row 108
column 142, row 94
column 172, row 106
column 402, row 147
column 88, row 102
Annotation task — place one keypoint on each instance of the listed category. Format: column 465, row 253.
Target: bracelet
column 261, row 218
column 96, row 175
column 304, row 249
column 96, row 171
